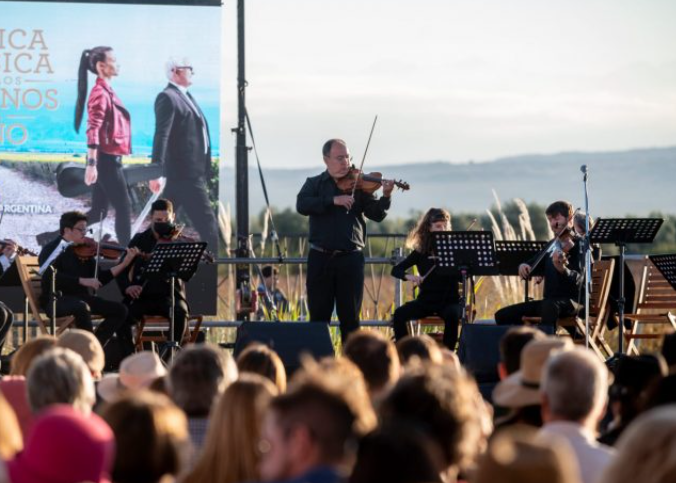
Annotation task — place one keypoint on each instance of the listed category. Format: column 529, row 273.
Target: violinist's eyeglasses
column 81, row 230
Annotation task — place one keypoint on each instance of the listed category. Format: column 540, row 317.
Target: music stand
column 171, row 261
column 621, row 231
column 467, row 253
column 666, row 264
column 512, row 253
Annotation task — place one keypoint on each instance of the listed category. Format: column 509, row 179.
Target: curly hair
column 420, row 238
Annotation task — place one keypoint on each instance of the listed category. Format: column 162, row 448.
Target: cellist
column 563, row 274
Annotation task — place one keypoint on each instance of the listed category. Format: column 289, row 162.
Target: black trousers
column 550, row 310
column 418, row 309
column 336, row 280
column 111, row 189
column 158, row 306
column 82, row 307
column 6, row 320
column 191, row 195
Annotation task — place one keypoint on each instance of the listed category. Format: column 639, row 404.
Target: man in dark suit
column 181, row 145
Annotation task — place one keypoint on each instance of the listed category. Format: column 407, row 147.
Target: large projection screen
column 41, row 44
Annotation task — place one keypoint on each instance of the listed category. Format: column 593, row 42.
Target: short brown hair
column 513, row 342
column 561, row 207
column 162, row 204
column 27, row 353
column 375, row 356
column 260, row 359
column 421, row 346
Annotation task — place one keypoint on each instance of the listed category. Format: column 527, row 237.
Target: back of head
column 260, row 359
column 575, row 384
column 60, row 376
column 87, row 346
column 65, row 446
column 198, row 375
column 513, row 342
column 375, row 356
column 422, row 347
column 646, row 450
column 635, row 376
column 151, row 435
column 517, row 455
column 24, row 357
column 396, row 453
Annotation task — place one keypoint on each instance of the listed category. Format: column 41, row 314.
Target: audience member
column 646, row 451
column 60, row 376
column 443, row 403
column 231, row 449
column 397, row 453
column 635, row 376
column 574, row 394
column 199, row 375
column 11, row 439
column 151, row 435
column 260, row 359
column 88, row 346
column 137, row 371
column 13, row 388
column 520, row 391
column 517, row 455
column 511, row 346
column 377, row 359
column 669, row 351
column 27, row 353
column 662, row 393
column 65, row 446
column 421, row 347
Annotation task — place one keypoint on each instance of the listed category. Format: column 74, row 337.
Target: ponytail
column 88, row 61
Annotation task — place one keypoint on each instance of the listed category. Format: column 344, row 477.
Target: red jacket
column 108, row 122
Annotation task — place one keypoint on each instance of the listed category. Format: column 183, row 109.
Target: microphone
column 583, row 168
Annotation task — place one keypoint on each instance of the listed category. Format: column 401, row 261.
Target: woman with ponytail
column 108, row 139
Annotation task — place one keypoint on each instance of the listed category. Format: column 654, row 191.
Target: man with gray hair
column 574, row 396
column 182, row 147
column 60, row 376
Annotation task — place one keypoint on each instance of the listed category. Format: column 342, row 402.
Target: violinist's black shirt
column 564, row 285
column 438, row 287
column 333, row 227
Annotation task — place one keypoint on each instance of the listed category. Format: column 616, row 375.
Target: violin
column 559, row 244
column 89, row 249
column 368, row 183
column 21, row 251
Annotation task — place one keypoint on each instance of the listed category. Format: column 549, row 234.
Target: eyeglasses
column 185, row 67
column 81, row 230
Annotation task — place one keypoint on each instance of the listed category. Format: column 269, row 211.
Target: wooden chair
column 415, row 326
column 656, row 300
column 602, row 276
column 153, row 328
column 28, row 267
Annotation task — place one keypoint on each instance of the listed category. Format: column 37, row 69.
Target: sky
column 451, row 80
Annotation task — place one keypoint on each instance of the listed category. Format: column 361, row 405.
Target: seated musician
column 270, row 294
column 7, row 256
column 439, row 293
column 75, row 281
column 563, row 275
column 152, row 296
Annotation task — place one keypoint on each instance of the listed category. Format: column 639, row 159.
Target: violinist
column 439, row 293
column 563, row 274
column 335, row 267
column 77, row 276
column 7, row 256
column 153, row 297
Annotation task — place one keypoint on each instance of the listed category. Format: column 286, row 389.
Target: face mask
column 164, row 229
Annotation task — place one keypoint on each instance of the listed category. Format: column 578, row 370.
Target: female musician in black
column 439, row 293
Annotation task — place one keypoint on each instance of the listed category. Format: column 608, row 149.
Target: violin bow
column 368, row 143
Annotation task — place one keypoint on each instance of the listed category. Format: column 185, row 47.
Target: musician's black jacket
column 438, row 287
column 565, row 285
column 145, row 242
column 69, row 269
column 333, row 227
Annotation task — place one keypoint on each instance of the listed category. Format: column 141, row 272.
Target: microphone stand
column 587, row 251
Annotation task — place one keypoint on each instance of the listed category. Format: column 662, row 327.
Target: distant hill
column 628, row 182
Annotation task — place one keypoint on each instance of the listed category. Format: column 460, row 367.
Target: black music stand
column 170, row 261
column 621, row 231
column 512, row 253
column 467, row 253
column 666, row 264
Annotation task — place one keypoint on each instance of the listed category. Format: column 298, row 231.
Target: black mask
column 164, row 229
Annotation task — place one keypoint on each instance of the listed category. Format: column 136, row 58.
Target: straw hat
column 137, row 371
column 87, row 345
column 522, row 388
column 518, row 455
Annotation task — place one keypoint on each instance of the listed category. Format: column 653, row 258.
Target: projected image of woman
column 108, row 139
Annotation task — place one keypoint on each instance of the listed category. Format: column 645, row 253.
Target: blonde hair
column 646, row 451
column 230, row 453
column 260, row 359
column 11, row 441
column 420, row 238
column 32, row 349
